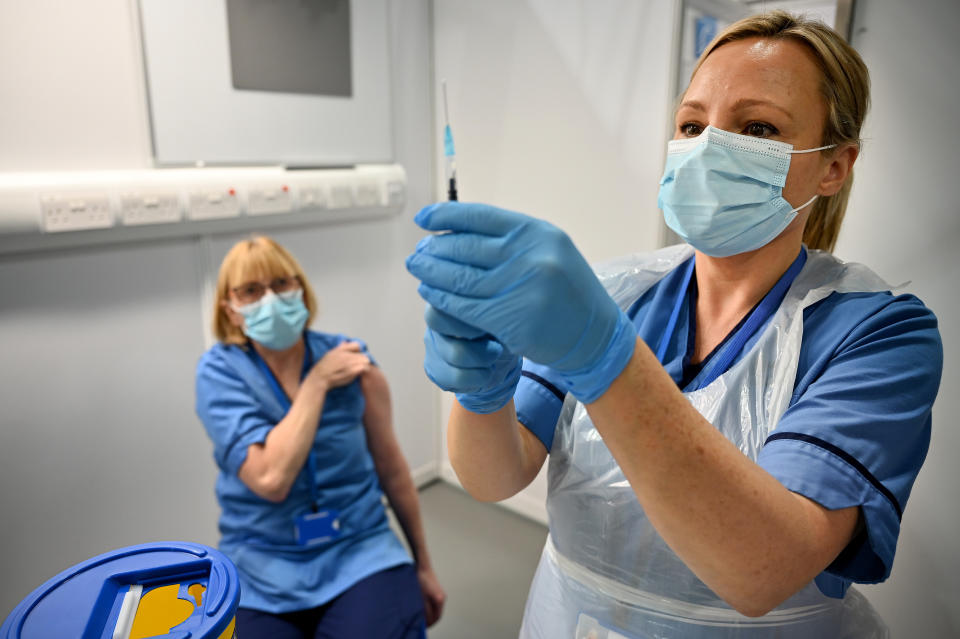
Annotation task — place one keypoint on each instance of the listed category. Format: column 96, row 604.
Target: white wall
column 99, row 445
column 559, row 110
column 904, row 221
column 72, row 87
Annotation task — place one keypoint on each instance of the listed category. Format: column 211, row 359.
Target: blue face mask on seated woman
column 275, row 320
column 722, row 192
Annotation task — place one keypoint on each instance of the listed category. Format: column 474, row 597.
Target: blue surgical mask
column 275, row 321
column 722, row 192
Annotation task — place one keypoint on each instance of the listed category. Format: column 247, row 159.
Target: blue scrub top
column 858, row 424
column 238, row 405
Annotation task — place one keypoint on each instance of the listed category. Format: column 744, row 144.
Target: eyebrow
column 742, row 103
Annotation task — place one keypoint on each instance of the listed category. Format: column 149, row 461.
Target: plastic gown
column 605, row 572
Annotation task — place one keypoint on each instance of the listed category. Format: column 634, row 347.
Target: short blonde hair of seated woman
column 257, row 258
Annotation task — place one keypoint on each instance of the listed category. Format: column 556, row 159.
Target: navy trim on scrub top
column 285, row 402
column 845, row 456
column 546, row 384
column 722, row 357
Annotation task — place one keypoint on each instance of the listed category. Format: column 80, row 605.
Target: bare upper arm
column 253, row 473
column 833, row 530
column 378, row 420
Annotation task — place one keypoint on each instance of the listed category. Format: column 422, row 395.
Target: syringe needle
column 446, row 111
column 448, row 151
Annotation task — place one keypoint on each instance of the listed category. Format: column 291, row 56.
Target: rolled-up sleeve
column 539, row 400
column 858, row 433
column 229, row 411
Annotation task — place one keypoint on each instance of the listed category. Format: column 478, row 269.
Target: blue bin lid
column 86, row 601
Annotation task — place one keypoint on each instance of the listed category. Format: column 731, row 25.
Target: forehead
column 780, row 70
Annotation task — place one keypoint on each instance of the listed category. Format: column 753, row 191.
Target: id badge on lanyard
column 320, row 525
column 317, row 528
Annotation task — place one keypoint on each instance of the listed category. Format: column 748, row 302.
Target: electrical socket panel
column 75, row 212
column 265, row 200
column 150, row 208
column 186, row 202
column 213, row 204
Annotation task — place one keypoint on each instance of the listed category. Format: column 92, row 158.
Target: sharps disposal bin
column 167, row 589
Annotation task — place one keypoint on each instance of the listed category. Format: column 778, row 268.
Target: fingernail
column 423, row 242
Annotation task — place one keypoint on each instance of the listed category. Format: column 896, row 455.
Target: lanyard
column 285, row 405
column 675, row 313
column 763, row 311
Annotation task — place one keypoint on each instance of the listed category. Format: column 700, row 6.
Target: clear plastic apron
column 605, row 573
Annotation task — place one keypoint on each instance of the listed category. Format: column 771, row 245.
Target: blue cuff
column 835, row 479
column 237, row 453
column 589, row 383
column 492, row 400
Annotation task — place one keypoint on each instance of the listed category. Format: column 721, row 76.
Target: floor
column 485, row 557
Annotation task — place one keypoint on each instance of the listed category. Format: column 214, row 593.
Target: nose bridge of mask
column 716, row 150
column 288, row 296
column 246, row 309
column 759, row 159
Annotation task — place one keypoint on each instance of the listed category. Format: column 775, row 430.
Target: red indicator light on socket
column 285, row 188
column 232, row 191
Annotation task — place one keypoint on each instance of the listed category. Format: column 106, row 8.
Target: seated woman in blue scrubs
column 733, row 424
column 302, row 434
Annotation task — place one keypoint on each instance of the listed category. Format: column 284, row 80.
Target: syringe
column 448, row 151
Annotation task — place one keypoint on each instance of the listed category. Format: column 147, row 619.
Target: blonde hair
column 846, row 89
column 256, row 258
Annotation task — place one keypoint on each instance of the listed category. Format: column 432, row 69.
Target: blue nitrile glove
column 523, row 281
column 465, row 360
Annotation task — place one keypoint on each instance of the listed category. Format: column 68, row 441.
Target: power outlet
column 213, row 204
column 341, row 196
column 368, row 194
column 265, row 200
column 75, row 212
column 396, row 194
column 312, row 197
column 150, row 208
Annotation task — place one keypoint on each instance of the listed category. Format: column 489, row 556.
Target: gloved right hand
column 465, row 360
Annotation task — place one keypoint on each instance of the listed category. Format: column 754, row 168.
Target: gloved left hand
column 460, row 358
column 523, row 281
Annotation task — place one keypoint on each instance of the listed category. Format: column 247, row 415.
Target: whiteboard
column 202, row 106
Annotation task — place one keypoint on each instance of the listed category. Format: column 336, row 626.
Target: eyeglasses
column 253, row 291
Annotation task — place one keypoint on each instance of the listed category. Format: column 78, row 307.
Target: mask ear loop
column 819, row 148
column 803, row 206
column 810, row 201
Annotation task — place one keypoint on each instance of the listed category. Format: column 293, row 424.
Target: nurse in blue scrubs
column 302, row 434
column 733, row 424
